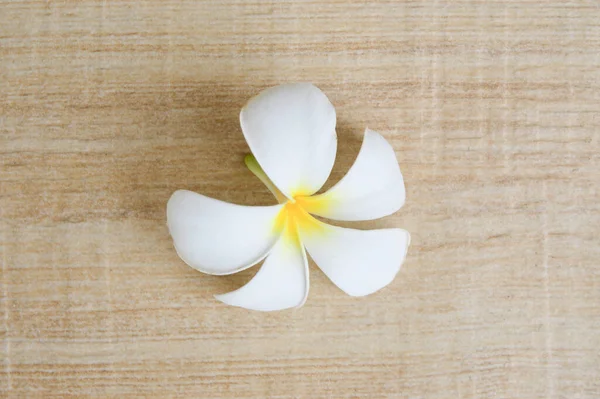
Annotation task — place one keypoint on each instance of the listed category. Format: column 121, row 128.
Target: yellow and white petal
column 281, row 283
column 291, row 131
column 372, row 188
column 359, row 262
column 217, row 237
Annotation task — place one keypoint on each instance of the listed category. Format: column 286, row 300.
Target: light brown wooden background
column 493, row 107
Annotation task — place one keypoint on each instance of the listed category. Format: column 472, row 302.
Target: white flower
column 291, row 132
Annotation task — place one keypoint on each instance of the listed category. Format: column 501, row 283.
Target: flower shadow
column 188, row 137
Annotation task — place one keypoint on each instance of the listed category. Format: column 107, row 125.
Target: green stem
column 255, row 168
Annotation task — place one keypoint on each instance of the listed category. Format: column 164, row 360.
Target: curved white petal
column 291, row 131
column 359, row 262
column 217, row 237
column 281, row 283
column 372, row 188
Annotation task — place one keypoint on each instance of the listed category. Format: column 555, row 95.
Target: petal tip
column 227, row 299
column 222, row 298
column 177, row 198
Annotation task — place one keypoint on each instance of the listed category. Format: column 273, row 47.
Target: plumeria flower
column 291, row 132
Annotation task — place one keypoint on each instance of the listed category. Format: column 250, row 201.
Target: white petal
column 359, row 262
column 291, row 132
column 281, row 283
column 372, row 188
column 217, row 237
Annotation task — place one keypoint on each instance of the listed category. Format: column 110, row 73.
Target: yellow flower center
column 293, row 216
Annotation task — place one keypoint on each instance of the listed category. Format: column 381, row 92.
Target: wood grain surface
column 493, row 108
